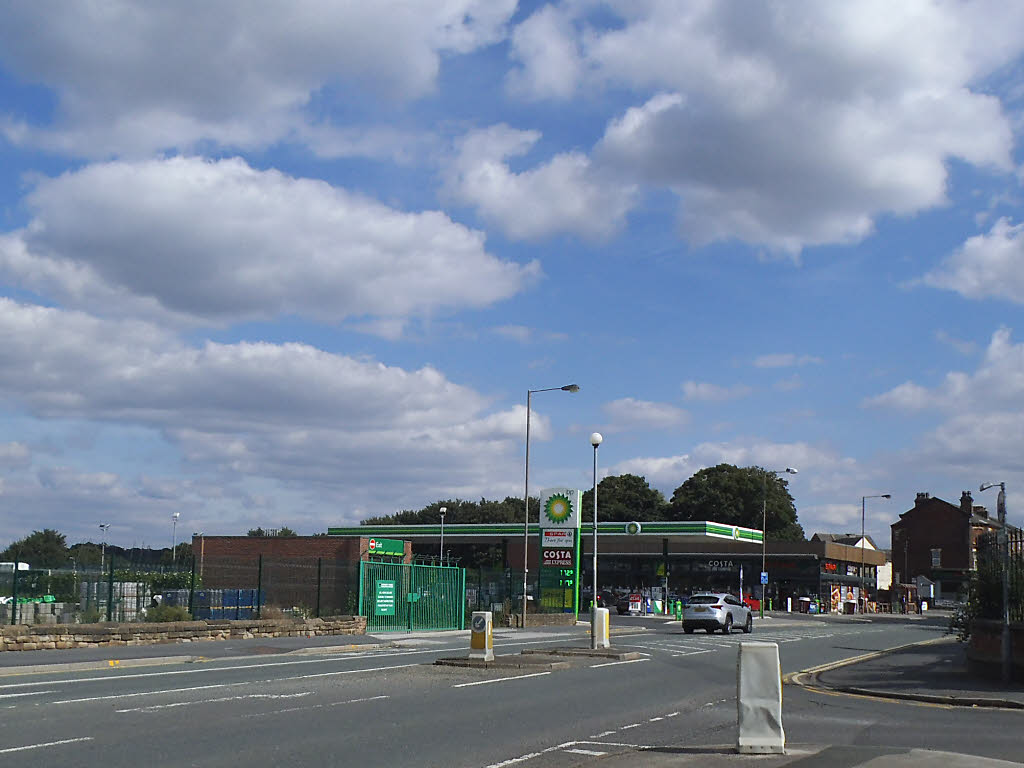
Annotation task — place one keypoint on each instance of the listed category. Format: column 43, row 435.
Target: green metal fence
column 396, row 597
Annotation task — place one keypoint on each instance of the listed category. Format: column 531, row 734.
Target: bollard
column 481, row 638
column 759, row 700
column 599, row 629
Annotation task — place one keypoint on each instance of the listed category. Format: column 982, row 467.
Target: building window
column 936, row 558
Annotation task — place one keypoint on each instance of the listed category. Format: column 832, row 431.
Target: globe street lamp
column 1004, row 551
column 441, row 558
column 863, row 594
column 526, row 492
column 595, row 440
column 764, row 531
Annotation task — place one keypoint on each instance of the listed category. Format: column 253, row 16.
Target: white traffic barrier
column 481, row 638
column 759, row 699
column 600, row 628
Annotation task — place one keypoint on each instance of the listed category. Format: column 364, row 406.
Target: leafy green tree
column 734, row 495
column 510, row 510
column 40, row 549
column 258, row 532
column 286, row 532
column 625, row 498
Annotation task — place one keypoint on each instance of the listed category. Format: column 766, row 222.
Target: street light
column 863, row 594
column 1004, row 547
column 526, row 492
column 595, row 440
column 764, row 526
column 441, row 558
column 103, row 546
column 174, row 537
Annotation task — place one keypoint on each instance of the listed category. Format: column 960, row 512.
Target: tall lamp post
column 1004, row 552
column 441, row 559
column 526, row 492
column 595, row 440
column 764, row 526
column 103, row 547
column 174, row 537
column 863, row 594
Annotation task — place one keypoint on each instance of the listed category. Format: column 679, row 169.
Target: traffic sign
column 764, row 577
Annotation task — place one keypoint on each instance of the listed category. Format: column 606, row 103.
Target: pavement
column 933, row 671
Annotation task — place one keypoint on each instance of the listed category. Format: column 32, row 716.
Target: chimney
column 966, row 502
column 921, row 497
column 980, row 511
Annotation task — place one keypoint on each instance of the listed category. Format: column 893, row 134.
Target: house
column 938, row 540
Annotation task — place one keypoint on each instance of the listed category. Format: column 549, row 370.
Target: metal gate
column 395, row 597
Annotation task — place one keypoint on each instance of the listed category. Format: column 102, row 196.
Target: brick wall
column 61, row 636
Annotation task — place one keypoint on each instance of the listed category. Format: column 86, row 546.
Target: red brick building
column 938, row 540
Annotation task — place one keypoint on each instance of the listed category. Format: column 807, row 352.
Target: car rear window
column 703, row 600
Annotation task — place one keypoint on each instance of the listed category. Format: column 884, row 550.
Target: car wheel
column 688, row 630
column 749, row 626
column 727, row 629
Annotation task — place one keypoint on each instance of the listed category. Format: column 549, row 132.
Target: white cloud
column 708, row 392
column 14, row 455
column 564, row 195
column 135, row 77
column 985, row 266
column 630, row 414
column 960, row 345
column 786, row 125
column 550, row 57
column 258, row 419
column 220, row 242
column 981, row 424
column 785, row 360
column 524, row 334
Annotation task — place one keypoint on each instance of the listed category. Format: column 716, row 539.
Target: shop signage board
column 560, row 518
column 386, row 547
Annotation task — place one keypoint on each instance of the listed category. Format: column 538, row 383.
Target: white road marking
column 156, row 707
column 602, row 734
column 43, row 746
column 312, row 706
column 592, row 752
column 28, row 693
column 632, row 725
column 500, row 680
column 615, row 663
column 229, row 685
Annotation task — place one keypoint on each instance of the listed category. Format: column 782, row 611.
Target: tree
column 625, row 498
column 734, row 495
column 286, row 532
column 40, row 549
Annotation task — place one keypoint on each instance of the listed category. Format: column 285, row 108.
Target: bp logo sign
column 559, row 508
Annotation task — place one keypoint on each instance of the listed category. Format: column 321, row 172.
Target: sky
column 297, row 264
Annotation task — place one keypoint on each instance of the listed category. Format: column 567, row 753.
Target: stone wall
column 984, row 649
column 46, row 637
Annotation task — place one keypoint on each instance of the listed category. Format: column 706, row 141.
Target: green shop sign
column 384, row 598
column 389, row 547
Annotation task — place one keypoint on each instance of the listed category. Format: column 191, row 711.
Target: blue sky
column 298, row 264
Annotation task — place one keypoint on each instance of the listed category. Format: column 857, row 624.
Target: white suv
column 717, row 610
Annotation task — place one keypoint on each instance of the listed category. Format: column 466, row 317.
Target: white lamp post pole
column 174, row 537
column 103, row 546
column 595, row 440
column 441, row 558
column 526, row 492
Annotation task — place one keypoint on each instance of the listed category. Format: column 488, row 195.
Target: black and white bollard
column 759, row 700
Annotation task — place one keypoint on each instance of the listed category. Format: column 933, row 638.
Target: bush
column 168, row 613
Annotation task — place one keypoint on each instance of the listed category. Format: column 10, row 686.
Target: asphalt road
column 392, row 706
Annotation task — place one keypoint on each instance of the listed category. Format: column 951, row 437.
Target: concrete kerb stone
column 91, row 666
column 809, row 678
column 594, row 653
